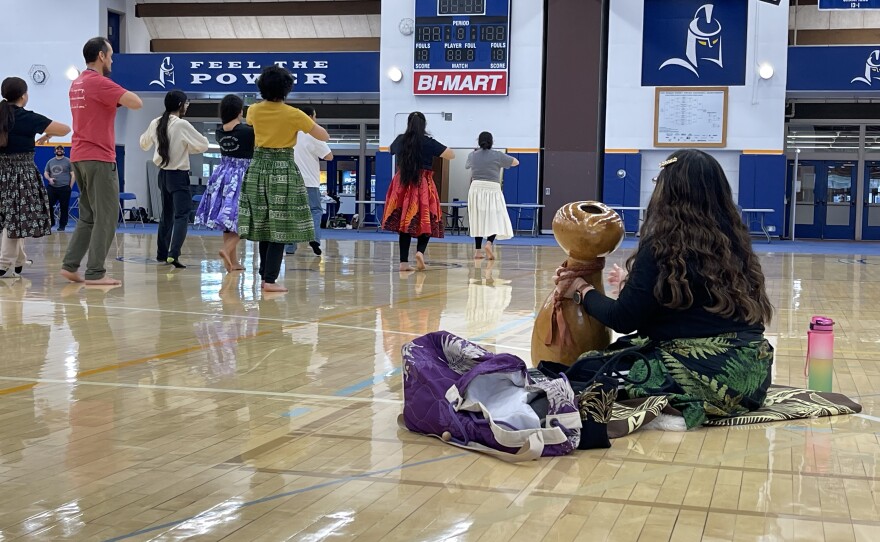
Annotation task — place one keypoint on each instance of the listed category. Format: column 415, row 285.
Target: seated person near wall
column 694, row 293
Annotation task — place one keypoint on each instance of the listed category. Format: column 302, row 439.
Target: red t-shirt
column 93, row 100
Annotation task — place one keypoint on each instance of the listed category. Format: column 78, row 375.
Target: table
column 363, row 217
column 756, row 216
column 519, row 208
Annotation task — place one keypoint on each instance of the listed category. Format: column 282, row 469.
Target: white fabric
column 505, row 399
column 183, row 140
column 11, row 253
column 487, row 211
column 307, row 154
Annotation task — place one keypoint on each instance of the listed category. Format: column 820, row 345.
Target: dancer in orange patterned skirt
column 412, row 206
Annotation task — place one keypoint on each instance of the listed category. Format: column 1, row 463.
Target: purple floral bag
column 469, row 397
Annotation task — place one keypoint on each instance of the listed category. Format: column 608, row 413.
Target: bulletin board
column 690, row 117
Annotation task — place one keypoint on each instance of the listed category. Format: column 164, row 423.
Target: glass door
column 871, row 215
column 840, row 200
column 825, row 200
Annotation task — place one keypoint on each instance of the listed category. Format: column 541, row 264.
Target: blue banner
column 849, row 4
column 313, row 73
column 694, row 42
column 830, row 68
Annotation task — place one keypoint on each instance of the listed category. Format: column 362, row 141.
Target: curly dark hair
column 275, row 83
column 692, row 219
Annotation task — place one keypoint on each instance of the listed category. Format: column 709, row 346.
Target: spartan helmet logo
column 703, row 41
column 166, row 73
column 872, row 69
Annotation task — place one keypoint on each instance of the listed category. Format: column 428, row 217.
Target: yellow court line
column 17, row 389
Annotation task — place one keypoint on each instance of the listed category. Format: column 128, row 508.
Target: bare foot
column 405, row 266
column 478, row 254
column 273, row 287
column 420, row 261
column 490, row 252
column 227, row 263
column 71, row 276
column 104, row 281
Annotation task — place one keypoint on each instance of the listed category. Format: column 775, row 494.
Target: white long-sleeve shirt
column 183, row 140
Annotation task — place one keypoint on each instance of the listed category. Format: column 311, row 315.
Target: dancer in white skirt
column 487, row 210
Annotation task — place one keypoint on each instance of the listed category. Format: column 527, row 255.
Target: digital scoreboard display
column 462, row 47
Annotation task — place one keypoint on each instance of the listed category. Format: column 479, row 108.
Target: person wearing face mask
column 59, row 173
column 24, row 205
column 175, row 139
column 94, row 98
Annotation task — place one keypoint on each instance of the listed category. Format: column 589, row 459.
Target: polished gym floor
column 187, row 405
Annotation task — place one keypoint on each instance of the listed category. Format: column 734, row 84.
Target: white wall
column 51, row 33
column 129, row 127
column 756, row 111
column 515, row 120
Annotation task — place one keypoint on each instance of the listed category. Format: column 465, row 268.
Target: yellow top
column 276, row 124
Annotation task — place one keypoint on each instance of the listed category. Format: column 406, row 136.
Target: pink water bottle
column 820, row 353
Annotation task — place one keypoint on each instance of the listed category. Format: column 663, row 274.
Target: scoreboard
column 462, row 47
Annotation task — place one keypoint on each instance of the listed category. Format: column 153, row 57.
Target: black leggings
column 421, row 245
column 271, row 255
column 479, row 241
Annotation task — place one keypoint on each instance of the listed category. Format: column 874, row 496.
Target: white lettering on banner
column 461, row 83
column 234, row 65
column 215, row 65
column 251, row 78
column 461, row 23
column 253, row 65
column 320, row 64
column 299, row 65
column 195, row 65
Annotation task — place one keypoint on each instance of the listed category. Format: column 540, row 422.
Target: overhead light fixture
column 765, row 71
column 72, row 73
column 395, row 74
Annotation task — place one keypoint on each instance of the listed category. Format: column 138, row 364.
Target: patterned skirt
column 24, row 204
column 274, row 205
column 414, row 208
column 218, row 209
column 706, row 378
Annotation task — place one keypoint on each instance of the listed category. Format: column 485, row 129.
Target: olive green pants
column 98, row 217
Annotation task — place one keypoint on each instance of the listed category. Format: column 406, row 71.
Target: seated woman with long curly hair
column 694, row 293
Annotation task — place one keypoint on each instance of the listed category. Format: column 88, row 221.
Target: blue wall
column 623, row 192
column 762, row 186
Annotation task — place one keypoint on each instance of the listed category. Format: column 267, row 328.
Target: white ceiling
column 342, row 26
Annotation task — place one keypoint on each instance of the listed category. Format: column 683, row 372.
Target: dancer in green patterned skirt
column 274, row 205
column 694, row 293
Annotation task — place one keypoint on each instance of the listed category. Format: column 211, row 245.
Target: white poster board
column 690, row 117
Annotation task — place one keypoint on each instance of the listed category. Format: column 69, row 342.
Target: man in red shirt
column 94, row 98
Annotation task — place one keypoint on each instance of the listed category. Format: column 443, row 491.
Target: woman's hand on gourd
column 616, row 277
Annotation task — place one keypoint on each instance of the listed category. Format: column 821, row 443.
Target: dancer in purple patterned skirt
column 218, row 209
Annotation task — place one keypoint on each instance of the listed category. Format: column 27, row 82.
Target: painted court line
column 292, row 395
column 224, row 507
column 867, row 417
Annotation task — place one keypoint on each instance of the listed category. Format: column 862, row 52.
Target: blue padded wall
column 762, row 186
column 623, row 192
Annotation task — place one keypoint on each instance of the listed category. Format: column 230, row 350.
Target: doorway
column 825, row 199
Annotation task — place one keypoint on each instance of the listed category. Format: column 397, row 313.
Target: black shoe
column 316, row 247
column 19, row 269
column 175, row 262
column 61, row 228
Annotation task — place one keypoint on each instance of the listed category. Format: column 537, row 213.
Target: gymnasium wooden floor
column 186, row 405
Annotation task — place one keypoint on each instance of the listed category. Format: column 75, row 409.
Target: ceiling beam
column 263, row 45
column 260, row 9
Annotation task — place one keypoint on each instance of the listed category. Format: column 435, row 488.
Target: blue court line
column 505, row 327
column 364, row 384
column 296, row 412
column 291, row 493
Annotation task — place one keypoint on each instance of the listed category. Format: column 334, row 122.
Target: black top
column 236, row 143
column 636, row 309
column 26, row 125
column 430, row 148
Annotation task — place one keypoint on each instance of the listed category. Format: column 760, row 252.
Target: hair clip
column 665, row 163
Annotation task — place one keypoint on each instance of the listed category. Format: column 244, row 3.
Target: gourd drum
column 587, row 231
